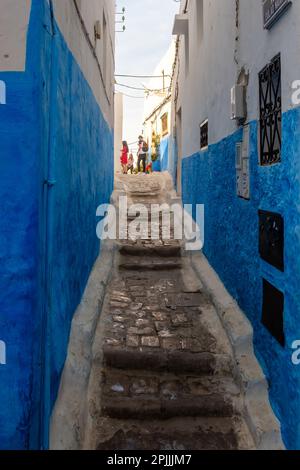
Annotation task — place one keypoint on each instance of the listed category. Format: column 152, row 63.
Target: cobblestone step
column 142, row 187
column 154, row 250
column 130, row 395
column 166, row 361
column 176, row 434
column 131, row 263
column 142, row 408
column 167, row 369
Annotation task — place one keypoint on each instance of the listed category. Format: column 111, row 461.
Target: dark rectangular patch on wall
column 273, row 308
column 204, row 135
column 271, row 239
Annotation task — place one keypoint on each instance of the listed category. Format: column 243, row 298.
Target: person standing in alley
column 124, row 157
column 142, row 153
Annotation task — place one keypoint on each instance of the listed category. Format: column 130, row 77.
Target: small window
column 204, row 135
column 164, row 124
column 270, row 113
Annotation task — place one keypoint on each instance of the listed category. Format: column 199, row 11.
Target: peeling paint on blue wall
column 45, row 225
column 232, row 234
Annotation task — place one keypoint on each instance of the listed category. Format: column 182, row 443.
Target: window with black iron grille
column 204, row 135
column 270, row 112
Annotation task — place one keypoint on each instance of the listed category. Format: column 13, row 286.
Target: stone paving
column 167, row 369
column 150, row 315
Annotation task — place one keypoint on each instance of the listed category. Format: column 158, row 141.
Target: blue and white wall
column 56, row 157
column 154, row 125
column 212, row 53
column 157, row 105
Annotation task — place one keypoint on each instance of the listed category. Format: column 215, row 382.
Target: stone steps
column 178, row 434
column 171, row 250
column 145, row 408
column 167, row 380
column 132, row 395
column 147, row 358
column 133, row 263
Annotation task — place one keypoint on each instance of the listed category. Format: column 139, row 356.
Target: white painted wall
column 258, row 47
column 118, row 130
column 154, row 123
column 216, row 58
column 166, row 64
column 156, row 105
column 14, row 19
column 71, row 28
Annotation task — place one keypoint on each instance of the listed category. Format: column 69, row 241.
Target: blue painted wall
column 48, row 245
column 156, row 166
column 173, row 159
column 164, row 154
column 163, row 163
column 231, row 245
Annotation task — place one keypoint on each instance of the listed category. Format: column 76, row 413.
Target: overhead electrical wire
column 144, row 76
column 136, row 97
column 147, row 90
column 130, row 87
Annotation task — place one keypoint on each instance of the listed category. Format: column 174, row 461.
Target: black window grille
column 204, row 135
column 270, row 112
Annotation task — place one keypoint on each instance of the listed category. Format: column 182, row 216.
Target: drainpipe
column 49, row 184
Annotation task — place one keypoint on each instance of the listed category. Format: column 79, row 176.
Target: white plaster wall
column 71, row 28
column 152, row 101
column 154, row 105
column 258, row 47
column 204, row 89
column 216, row 59
column 14, row 20
column 118, row 130
column 155, row 122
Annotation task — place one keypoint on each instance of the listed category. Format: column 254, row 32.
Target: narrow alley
column 167, row 379
column 149, row 229
column 172, row 361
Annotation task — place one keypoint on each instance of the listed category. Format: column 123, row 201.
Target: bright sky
column 138, row 51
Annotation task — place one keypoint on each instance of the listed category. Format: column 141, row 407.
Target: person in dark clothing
column 142, row 154
column 130, row 163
